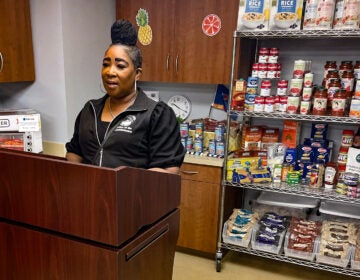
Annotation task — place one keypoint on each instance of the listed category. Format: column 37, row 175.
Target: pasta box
column 253, row 15
column 285, row 14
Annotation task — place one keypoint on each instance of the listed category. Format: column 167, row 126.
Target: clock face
column 181, row 106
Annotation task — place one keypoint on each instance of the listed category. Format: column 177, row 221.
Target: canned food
column 219, row 148
column 184, row 129
column 198, row 145
column 219, row 132
column 212, row 148
column 299, row 69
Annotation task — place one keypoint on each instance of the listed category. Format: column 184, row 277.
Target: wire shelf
column 285, row 116
column 301, row 190
column 283, row 258
column 300, row 34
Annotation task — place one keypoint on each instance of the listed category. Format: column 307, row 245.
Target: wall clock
column 181, row 106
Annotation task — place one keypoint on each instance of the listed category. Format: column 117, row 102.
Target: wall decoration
column 145, row 31
column 211, row 25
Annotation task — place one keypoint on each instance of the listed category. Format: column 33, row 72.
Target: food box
column 355, row 265
column 253, row 15
column 347, row 14
column 285, row 14
column 310, row 256
column 353, row 160
column 245, row 242
column 318, row 14
column 334, row 261
column 266, row 247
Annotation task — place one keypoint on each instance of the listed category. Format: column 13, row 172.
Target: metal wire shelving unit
column 300, row 190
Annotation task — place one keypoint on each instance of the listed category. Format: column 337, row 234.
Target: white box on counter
column 20, row 120
column 253, row 15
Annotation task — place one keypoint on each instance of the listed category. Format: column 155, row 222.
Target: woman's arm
column 172, row 170
column 73, row 157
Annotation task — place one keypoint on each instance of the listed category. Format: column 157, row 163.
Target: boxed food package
column 253, row 15
column 353, row 160
column 347, row 14
column 285, row 14
column 319, row 14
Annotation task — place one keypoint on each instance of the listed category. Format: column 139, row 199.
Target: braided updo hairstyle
column 124, row 33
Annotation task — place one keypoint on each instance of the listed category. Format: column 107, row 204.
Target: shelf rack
column 300, row 34
column 299, row 117
column 283, row 188
column 283, row 258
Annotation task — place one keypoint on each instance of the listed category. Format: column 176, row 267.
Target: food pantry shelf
column 300, row 34
column 299, row 190
column 299, row 117
column 281, row 257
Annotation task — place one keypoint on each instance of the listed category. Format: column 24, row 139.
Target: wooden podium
column 63, row 220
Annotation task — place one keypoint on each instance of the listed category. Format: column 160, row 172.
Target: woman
column 125, row 127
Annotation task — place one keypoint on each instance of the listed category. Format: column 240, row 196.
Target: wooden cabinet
column 199, row 206
column 180, row 51
column 16, row 51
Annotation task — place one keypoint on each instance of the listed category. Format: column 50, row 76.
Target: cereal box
column 285, row 14
column 347, row 14
column 253, row 15
column 319, row 14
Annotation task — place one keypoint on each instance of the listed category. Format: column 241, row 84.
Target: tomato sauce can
column 293, row 103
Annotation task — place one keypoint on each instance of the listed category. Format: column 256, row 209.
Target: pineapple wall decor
column 145, row 32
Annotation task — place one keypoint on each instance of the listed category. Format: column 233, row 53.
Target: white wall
column 69, row 39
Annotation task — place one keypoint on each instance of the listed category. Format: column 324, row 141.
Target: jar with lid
column 347, row 80
column 357, row 70
column 331, row 75
column 345, row 66
column 320, row 102
column 329, row 66
column 347, row 138
column 338, row 103
column 263, row 55
column 333, row 87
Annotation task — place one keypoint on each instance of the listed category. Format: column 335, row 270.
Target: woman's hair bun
column 123, row 32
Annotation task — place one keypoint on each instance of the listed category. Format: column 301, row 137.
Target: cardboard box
column 353, row 160
column 253, row 15
column 285, row 14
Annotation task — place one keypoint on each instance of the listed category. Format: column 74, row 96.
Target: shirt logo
column 125, row 124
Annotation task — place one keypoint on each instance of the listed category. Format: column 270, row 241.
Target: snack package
column 290, row 133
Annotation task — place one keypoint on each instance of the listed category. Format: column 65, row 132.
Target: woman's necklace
column 131, row 102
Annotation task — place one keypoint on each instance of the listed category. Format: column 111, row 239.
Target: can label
column 184, row 129
column 219, row 148
column 212, row 148
column 198, row 145
column 219, row 133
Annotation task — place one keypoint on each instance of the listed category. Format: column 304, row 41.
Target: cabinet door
column 157, row 55
column 17, row 59
column 203, row 58
column 199, row 206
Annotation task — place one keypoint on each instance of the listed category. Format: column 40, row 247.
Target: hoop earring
column 101, row 89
